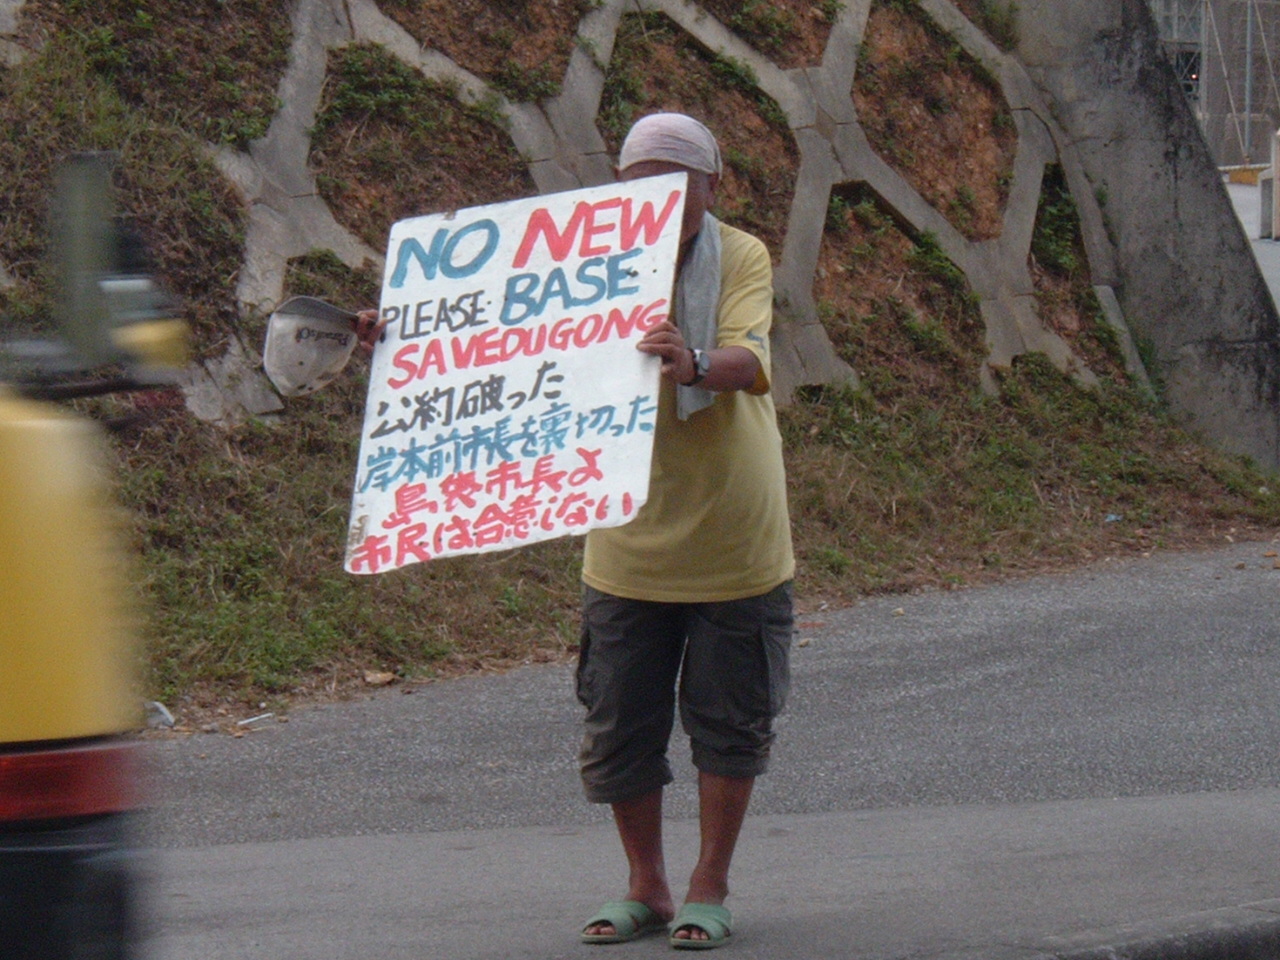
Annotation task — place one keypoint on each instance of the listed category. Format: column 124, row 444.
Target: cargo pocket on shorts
column 775, row 640
column 776, row 627
column 583, row 676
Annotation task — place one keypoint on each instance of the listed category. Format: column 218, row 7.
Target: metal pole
column 1248, row 81
column 1202, row 93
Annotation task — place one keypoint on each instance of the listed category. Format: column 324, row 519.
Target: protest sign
column 508, row 403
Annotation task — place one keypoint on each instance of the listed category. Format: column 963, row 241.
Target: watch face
column 702, row 360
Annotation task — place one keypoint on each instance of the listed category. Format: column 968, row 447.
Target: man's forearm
column 729, row 368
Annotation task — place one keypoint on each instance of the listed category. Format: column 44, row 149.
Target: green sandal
column 630, row 920
column 711, row 918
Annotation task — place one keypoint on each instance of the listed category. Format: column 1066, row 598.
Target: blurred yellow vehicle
column 69, row 777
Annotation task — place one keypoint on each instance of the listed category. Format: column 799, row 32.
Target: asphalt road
column 959, row 771
column 1142, row 677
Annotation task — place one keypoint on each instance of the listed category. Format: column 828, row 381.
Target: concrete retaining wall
column 1185, row 277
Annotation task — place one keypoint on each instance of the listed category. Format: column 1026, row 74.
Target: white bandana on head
column 673, row 138
column 676, row 138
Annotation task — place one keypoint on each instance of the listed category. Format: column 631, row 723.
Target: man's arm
column 731, row 368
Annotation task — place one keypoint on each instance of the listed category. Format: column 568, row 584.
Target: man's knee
column 735, row 682
column 627, row 663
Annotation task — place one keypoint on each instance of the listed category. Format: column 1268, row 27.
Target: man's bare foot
column 702, row 890
column 690, row 932
column 702, row 923
column 660, row 903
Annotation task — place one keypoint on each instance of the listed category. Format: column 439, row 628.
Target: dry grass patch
column 657, row 67
column 169, row 193
column 521, row 47
column 206, row 65
column 792, row 33
column 917, row 479
column 241, row 560
column 390, row 144
column 897, row 310
column 895, row 496
column 936, row 116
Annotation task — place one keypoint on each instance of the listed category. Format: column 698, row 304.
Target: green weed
column 830, row 9
column 735, row 73
column 210, row 67
column 831, row 560
column 525, row 84
column 768, row 25
column 368, row 84
column 868, row 214
column 322, row 274
column 961, row 209
column 1056, row 240
column 426, row 151
column 927, row 256
column 838, row 213
column 999, row 18
column 749, row 165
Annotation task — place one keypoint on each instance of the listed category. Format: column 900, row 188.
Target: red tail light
column 68, row 782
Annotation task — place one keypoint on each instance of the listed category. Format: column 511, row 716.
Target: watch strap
column 700, row 365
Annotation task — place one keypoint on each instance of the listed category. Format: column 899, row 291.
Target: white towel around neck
column 697, row 307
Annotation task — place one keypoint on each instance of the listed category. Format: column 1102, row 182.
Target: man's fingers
column 667, row 351
column 663, row 339
column 369, row 329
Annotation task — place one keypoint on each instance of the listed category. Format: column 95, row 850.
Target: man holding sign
column 688, row 598
column 690, row 602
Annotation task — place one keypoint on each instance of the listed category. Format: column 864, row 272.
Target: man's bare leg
column 639, row 823
column 722, row 806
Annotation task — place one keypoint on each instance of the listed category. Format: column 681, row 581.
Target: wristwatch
column 701, row 366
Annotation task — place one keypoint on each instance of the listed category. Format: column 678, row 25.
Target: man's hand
column 665, row 341
column 732, row 367
column 369, row 329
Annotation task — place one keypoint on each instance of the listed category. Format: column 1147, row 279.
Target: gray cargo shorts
column 730, row 660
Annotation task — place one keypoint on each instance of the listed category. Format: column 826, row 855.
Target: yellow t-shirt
column 715, row 526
